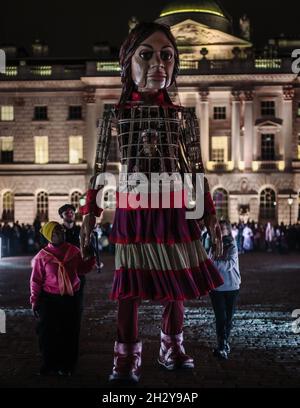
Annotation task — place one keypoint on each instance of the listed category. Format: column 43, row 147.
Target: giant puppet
column 158, row 252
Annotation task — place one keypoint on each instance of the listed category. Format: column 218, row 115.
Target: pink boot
column 127, row 362
column 172, row 354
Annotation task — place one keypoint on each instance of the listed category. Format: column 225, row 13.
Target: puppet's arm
column 192, row 151
column 91, row 210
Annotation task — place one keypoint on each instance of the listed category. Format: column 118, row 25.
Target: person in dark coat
column 72, row 231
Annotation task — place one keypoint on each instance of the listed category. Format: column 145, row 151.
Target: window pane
column 40, row 113
column 220, row 112
column 41, row 149
column 267, row 108
column 268, row 204
column 75, row 112
column 8, row 207
column 42, row 206
column 268, row 147
column 7, row 113
column 75, row 149
column 7, row 143
column 75, row 197
column 6, row 149
column 219, row 149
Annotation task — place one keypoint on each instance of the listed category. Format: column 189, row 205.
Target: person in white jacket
column 224, row 298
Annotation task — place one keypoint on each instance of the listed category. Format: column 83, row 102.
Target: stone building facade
column 248, row 107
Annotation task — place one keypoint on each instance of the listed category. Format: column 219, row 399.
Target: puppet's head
column 149, row 59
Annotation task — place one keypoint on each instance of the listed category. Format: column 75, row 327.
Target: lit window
column 268, row 204
column 8, row 207
column 7, row 113
column 75, row 113
column 108, row 67
column 75, row 149
column 298, row 111
column 40, row 113
column 6, row 149
column 11, row 71
column 268, row 63
column 186, row 64
column 41, row 149
column 219, row 149
column 42, row 204
column 219, row 112
column 75, row 201
column 43, row 70
column 267, row 108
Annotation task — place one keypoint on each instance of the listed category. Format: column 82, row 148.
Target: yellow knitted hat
column 47, row 229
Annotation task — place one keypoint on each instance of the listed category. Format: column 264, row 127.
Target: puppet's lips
column 157, row 76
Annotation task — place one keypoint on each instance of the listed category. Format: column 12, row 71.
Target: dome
column 207, row 12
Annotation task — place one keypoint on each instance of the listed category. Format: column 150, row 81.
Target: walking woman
column 224, row 298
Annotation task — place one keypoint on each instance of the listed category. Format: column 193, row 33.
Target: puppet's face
column 152, row 64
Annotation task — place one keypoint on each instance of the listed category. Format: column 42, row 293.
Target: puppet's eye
column 166, row 55
column 146, row 55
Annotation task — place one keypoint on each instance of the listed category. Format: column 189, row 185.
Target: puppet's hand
column 86, row 230
column 214, row 229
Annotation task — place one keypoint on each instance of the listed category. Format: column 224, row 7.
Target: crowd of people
column 25, row 239
column 252, row 236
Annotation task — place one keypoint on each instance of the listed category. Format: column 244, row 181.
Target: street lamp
column 290, row 203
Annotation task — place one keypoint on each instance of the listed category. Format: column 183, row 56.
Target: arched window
column 75, row 197
column 220, row 198
column 110, row 199
column 8, row 207
column 42, row 204
column 268, row 204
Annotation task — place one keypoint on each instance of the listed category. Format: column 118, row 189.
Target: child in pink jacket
column 54, row 287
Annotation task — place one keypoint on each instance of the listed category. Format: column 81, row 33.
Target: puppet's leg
column 172, row 353
column 127, row 349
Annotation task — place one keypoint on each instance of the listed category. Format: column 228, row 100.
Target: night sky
column 71, row 28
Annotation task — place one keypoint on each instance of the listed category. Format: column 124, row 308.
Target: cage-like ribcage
column 148, row 139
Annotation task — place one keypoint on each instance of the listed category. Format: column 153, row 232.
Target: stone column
column 236, row 129
column 91, row 127
column 249, row 127
column 204, row 126
column 287, row 128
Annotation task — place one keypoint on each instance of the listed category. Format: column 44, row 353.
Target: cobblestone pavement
column 265, row 351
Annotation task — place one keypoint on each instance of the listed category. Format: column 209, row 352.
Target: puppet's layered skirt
column 159, row 256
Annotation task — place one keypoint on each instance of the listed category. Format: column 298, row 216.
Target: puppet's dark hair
column 128, row 48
